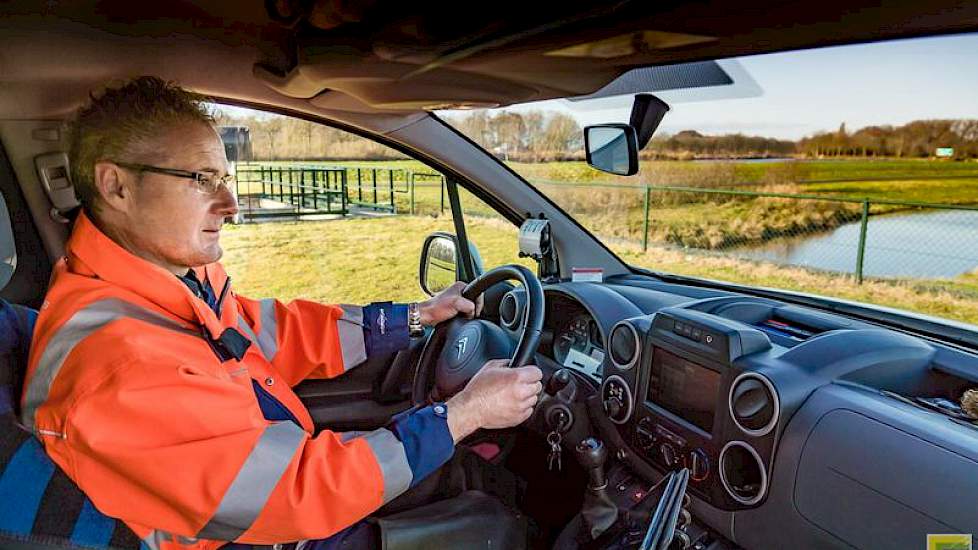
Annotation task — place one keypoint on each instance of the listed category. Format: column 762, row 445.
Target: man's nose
column 225, row 202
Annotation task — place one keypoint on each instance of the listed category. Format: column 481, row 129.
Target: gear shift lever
column 558, row 381
column 598, row 511
column 592, row 454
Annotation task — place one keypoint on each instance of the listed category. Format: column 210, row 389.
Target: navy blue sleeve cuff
column 426, row 439
column 385, row 328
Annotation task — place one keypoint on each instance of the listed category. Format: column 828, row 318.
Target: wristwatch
column 415, row 328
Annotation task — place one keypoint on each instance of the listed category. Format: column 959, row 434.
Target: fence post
column 302, row 188
column 292, row 186
column 281, row 186
column 861, row 253
column 315, row 190
column 327, row 175
column 442, row 195
column 645, row 223
column 375, row 188
column 390, row 180
column 410, row 176
column 343, row 197
column 359, row 187
column 251, row 197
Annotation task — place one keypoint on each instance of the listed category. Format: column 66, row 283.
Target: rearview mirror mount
column 647, row 113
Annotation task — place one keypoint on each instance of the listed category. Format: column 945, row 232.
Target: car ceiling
column 380, row 56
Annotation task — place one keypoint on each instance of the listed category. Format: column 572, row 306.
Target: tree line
column 275, row 137
column 544, row 136
column 917, row 139
column 530, row 136
column 538, row 136
column 692, row 144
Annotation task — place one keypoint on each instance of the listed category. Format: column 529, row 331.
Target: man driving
column 167, row 397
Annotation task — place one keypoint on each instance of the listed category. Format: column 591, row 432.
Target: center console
column 679, row 398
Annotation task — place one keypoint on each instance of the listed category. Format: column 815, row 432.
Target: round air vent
column 617, row 399
column 754, row 404
column 510, row 311
column 742, row 473
column 624, row 345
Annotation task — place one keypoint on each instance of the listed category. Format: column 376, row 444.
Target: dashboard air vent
column 754, row 404
column 742, row 473
column 624, row 344
column 510, row 311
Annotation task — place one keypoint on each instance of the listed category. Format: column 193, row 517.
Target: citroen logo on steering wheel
column 460, row 346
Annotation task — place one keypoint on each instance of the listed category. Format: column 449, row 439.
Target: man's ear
column 113, row 185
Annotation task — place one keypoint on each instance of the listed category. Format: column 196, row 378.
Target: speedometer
column 574, row 336
column 578, row 345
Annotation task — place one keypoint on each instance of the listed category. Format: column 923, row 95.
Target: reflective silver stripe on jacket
column 267, row 338
column 390, row 455
column 83, row 323
column 253, row 485
column 156, row 538
column 352, row 344
column 245, row 329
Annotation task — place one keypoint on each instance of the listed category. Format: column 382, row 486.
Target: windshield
column 849, row 172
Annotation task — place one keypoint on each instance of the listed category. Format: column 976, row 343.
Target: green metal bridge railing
column 328, row 189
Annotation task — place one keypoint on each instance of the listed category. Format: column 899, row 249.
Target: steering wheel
column 459, row 347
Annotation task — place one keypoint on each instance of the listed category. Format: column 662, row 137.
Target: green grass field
column 362, row 260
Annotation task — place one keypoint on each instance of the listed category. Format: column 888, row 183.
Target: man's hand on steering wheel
column 496, row 397
column 462, row 358
column 447, row 304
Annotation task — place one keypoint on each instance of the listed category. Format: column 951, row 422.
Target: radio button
column 699, row 465
column 644, row 435
column 668, row 455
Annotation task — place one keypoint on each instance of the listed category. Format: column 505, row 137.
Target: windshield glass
column 849, row 172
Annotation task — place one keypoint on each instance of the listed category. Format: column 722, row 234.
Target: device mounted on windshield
column 535, row 242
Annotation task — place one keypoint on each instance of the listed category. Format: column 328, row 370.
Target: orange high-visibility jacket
column 134, row 389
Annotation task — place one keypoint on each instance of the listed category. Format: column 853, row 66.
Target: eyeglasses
column 208, row 183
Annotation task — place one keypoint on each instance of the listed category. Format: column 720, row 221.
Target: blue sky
column 808, row 91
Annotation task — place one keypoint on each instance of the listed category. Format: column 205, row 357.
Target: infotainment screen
column 684, row 388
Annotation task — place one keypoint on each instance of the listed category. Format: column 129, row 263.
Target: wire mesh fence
column 863, row 238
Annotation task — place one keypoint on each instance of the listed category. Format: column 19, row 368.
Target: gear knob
column 558, row 381
column 592, row 454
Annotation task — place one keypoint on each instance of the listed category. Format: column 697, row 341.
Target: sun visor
column 681, row 83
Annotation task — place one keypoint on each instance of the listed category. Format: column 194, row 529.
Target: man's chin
column 208, row 256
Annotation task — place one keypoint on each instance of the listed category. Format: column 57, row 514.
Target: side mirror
column 440, row 262
column 612, row 148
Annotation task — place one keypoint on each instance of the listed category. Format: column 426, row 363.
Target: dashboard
column 780, row 412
